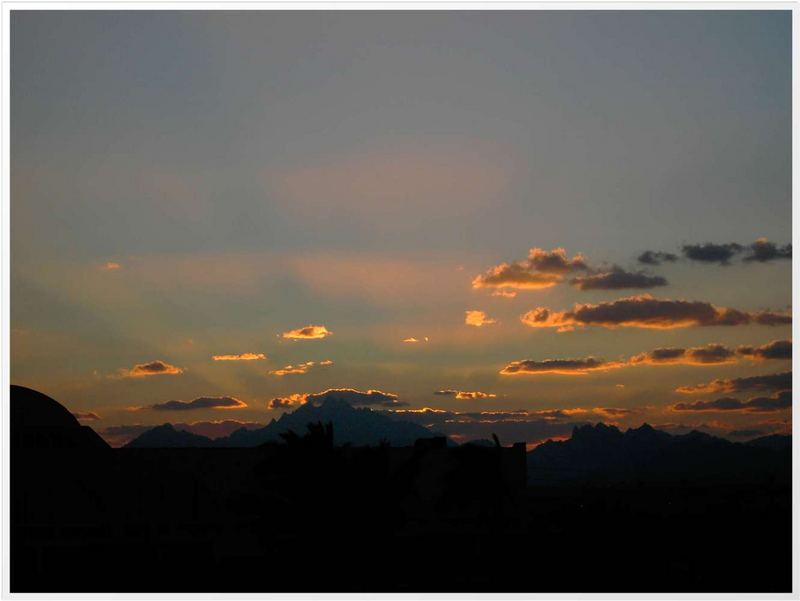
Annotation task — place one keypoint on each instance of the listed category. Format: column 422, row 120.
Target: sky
column 216, row 216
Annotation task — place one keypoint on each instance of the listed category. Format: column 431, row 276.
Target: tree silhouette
column 318, row 436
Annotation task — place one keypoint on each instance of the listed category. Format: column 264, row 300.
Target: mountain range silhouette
column 351, row 425
column 605, row 453
column 593, row 453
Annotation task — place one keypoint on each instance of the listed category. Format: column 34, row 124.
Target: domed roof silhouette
column 34, row 409
column 37, row 421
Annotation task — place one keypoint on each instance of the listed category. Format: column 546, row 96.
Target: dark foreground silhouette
column 304, row 515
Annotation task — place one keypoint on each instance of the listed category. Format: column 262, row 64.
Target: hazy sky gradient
column 255, row 172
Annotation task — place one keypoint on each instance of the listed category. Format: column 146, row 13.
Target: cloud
column 568, row 367
column 420, row 410
column 216, row 428
column 768, row 318
column 463, row 395
column 117, row 436
column 762, row 250
column 552, row 414
column 477, row 319
column 651, row 257
column 509, row 425
column 242, row 357
column 746, row 433
column 710, row 354
column 614, row 412
column 531, row 426
column 778, row 381
column 712, row 253
column 351, row 396
column 542, row 269
column 555, row 261
column 413, row 340
column 288, row 401
column 778, row 402
column 493, row 415
column 307, row 333
column 110, row 266
column 203, row 402
column 300, row 368
column 85, row 416
column 777, row 349
column 505, row 293
column 154, row 368
column 356, row 397
column 515, row 275
column 644, row 311
column 617, row 279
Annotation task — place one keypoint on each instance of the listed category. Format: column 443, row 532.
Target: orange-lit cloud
column 350, row 396
column 110, row 266
column 153, row 368
column 566, row 367
column 477, row 319
column 307, row 333
column 614, row 412
column 464, row 395
column 421, row 410
column 509, row 425
column 556, row 414
column 413, row 340
column 777, row 349
column 85, row 415
column 778, row 381
column 242, row 357
column 505, row 293
column 542, row 269
column 287, row 401
column 777, row 402
column 300, row 368
column 644, row 311
column 710, row 354
column 515, row 275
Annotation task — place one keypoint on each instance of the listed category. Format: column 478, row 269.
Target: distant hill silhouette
column 168, row 437
column 351, row 425
column 778, row 442
column 602, row 452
